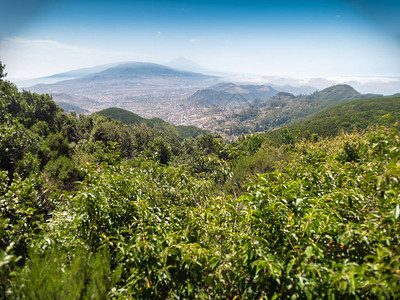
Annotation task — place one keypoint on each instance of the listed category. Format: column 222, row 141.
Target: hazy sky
column 310, row 38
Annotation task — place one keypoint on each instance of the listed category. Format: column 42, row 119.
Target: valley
column 148, row 89
column 187, row 98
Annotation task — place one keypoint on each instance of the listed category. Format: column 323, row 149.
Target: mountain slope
column 300, row 107
column 284, row 109
column 144, row 70
column 181, row 63
column 222, row 93
column 69, row 75
column 82, row 72
column 209, row 97
column 122, row 115
column 335, row 93
column 356, row 114
column 67, row 107
column 124, row 76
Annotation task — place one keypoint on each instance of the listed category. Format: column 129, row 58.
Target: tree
column 2, row 74
column 286, row 137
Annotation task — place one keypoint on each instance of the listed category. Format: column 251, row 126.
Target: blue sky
column 292, row 38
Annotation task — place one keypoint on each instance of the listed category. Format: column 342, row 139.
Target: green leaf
column 396, row 212
column 290, row 266
column 309, row 251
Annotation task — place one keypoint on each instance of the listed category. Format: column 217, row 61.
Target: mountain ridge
column 284, row 109
column 222, row 93
column 144, row 69
column 148, row 88
column 184, row 64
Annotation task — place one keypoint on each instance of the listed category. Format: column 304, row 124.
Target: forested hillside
column 354, row 115
column 91, row 208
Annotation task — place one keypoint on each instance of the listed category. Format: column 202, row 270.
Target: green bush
column 15, row 142
column 264, row 160
column 158, row 150
column 22, row 211
column 62, row 171
column 57, row 274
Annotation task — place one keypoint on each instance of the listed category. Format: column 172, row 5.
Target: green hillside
column 300, row 107
column 336, row 93
column 128, row 118
column 357, row 114
column 125, row 116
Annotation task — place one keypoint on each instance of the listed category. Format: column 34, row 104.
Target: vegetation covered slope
column 285, row 109
column 323, row 222
column 300, row 107
column 129, row 118
column 125, row 116
column 357, row 114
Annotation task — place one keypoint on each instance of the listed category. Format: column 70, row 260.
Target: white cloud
column 43, row 44
column 28, row 58
column 194, row 40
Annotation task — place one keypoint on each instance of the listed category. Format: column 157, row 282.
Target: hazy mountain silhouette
column 184, row 64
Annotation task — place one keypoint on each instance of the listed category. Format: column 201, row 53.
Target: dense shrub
column 318, row 226
column 62, row 171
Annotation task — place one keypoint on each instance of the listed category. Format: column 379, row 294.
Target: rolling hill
column 128, row 118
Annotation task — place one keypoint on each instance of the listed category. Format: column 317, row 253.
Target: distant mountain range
column 296, row 90
column 280, row 111
column 294, row 85
column 73, row 74
column 181, row 94
column 146, row 71
column 122, row 76
column 284, row 109
column 82, row 72
column 223, row 93
column 185, row 64
column 136, row 86
column 68, row 108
